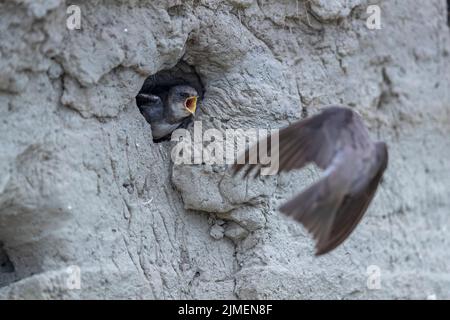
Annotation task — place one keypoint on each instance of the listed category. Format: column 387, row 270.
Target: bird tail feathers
column 316, row 207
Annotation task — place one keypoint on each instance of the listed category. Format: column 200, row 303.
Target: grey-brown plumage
column 168, row 111
column 168, row 100
column 337, row 141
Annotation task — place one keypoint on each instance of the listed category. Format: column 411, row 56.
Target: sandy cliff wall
column 82, row 184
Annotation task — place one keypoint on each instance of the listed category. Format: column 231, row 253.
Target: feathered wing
column 317, row 206
column 328, row 209
column 150, row 106
column 352, row 210
column 184, row 125
column 310, row 140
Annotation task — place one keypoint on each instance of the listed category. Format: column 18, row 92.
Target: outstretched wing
column 337, row 140
column 329, row 212
column 352, row 209
column 332, row 207
column 316, row 139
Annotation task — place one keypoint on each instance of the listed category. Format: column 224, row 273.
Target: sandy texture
column 82, row 184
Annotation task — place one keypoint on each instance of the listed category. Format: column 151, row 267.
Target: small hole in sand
column 154, row 93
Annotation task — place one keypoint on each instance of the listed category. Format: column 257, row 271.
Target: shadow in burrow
column 170, row 99
column 7, row 269
column 232, row 227
column 31, row 215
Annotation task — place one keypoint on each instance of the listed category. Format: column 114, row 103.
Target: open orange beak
column 191, row 104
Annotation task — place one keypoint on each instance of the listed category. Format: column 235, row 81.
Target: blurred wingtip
column 321, row 251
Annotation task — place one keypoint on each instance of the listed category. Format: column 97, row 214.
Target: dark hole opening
column 153, row 100
column 6, row 266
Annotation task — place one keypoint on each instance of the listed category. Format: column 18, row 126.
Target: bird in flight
column 168, row 101
column 337, row 141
